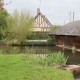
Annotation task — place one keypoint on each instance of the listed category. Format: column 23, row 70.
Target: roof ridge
column 43, row 18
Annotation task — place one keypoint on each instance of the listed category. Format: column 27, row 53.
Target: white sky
column 57, row 11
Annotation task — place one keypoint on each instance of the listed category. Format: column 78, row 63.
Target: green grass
column 26, row 67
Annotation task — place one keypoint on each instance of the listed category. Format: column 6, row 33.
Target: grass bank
column 26, row 67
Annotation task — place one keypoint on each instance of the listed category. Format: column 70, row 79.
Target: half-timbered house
column 41, row 23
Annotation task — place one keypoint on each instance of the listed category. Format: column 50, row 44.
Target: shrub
column 50, row 39
column 55, row 59
column 38, row 35
column 19, row 26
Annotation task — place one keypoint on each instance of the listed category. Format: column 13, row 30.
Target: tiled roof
column 70, row 29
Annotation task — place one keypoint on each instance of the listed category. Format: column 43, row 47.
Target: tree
column 3, row 24
column 19, row 25
column 1, row 4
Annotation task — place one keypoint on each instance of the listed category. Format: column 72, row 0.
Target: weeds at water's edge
column 57, row 59
column 54, row 59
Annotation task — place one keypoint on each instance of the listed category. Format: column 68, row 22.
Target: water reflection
column 73, row 57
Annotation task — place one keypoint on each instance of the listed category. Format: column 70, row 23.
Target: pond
column 74, row 57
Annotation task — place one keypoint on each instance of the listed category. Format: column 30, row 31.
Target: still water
column 74, row 57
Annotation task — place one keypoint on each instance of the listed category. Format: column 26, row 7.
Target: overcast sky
column 57, row 11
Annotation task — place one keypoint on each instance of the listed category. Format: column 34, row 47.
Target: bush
column 50, row 39
column 55, row 59
column 19, row 26
column 38, row 35
column 3, row 24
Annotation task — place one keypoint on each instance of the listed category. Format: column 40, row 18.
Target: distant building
column 41, row 23
column 68, row 34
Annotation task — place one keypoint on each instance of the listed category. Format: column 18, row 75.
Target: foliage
column 14, row 50
column 50, row 39
column 54, row 27
column 26, row 67
column 55, row 59
column 19, row 25
column 38, row 35
column 3, row 15
column 3, row 23
column 1, row 51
